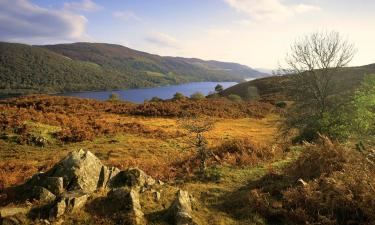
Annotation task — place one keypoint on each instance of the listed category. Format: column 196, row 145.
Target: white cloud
column 162, row 40
column 85, row 5
column 126, row 15
column 270, row 9
column 23, row 20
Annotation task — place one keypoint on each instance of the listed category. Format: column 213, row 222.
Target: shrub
column 281, row 104
column 178, row 96
column 219, row 88
column 114, row 97
column 197, row 96
column 156, row 99
column 234, row 98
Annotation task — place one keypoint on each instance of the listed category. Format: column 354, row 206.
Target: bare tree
column 313, row 63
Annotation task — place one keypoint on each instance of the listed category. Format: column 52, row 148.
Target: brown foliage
column 338, row 189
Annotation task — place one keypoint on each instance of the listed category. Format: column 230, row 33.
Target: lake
column 142, row 94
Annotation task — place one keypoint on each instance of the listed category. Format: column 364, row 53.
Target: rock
column 181, row 211
column 127, row 201
column 80, row 170
column 132, row 178
column 54, row 184
column 302, row 182
column 11, row 211
column 42, row 194
column 160, row 182
column 68, row 202
column 106, row 174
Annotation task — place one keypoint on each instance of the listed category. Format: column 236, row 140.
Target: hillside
column 278, row 87
column 93, row 66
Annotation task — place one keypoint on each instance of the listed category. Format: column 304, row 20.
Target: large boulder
column 132, row 177
column 42, row 194
column 180, row 210
column 128, row 205
column 80, row 170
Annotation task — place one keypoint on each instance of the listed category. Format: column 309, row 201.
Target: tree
column 114, row 97
column 313, row 63
column 178, row 96
column 219, row 88
column 197, row 96
column 234, row 98
column 197, row 128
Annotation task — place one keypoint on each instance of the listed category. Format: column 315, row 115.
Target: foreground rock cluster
column 68, row 185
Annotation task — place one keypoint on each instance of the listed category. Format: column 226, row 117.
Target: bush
column 234, row 98
column 281, row 104
column 178, row 96
column 156, row 99
column 197, row 96
column 328, row 184
column 114, row 97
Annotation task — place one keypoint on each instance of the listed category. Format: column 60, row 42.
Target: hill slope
column 94, row 66
column 278, row 87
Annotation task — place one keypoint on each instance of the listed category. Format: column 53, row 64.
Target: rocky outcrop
column 42, row 194
column 127, row 205
column 68, row 202
column 180, row 210
column 131, row 178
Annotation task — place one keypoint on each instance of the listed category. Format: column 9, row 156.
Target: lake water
column 165, row 92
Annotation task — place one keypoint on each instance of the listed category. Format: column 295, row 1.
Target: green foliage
column 364, row 107
column 197, row 96
column 156, row 99
column 178, row 96
column 234, row 98
column 252, row 93
column 281, row 104
column 28, row 69
column 114, row 97
column 219, row 88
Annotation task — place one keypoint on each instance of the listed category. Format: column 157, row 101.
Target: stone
column 160, row 182
column 42, row 194
column 80, row 170
column 181, row 211
column 54, row 184
column 132, row 178
column 12, row 211
column 68, row 202
column 106, row 174
column 128, row 204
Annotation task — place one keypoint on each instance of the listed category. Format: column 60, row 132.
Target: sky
column 257, row 33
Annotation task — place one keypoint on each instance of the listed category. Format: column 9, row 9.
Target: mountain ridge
column 86, row 66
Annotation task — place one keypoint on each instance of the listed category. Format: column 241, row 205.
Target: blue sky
column 257, row 33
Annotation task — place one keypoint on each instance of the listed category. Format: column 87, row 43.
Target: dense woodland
column 84, row 66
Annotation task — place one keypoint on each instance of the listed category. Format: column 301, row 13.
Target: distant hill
column 278, row 87
column 96, row 66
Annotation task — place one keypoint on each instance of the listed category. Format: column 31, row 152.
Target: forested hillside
column 86, row 66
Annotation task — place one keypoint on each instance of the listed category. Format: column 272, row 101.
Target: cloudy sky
column 257, row 33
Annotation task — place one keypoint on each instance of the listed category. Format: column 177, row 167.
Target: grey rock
column 54, row 184
column 131, row 178
column 42, row 194
column 181, row 211
column 157, row 195
column 68, row 202
column 106, row 174
column 128, row 204
column 80, row 171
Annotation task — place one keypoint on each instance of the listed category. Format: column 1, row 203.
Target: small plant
column 281, row 104
column 179, row 96
column 114, row 97
column 156, row 99
column 197, row 96
column 234, row 98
